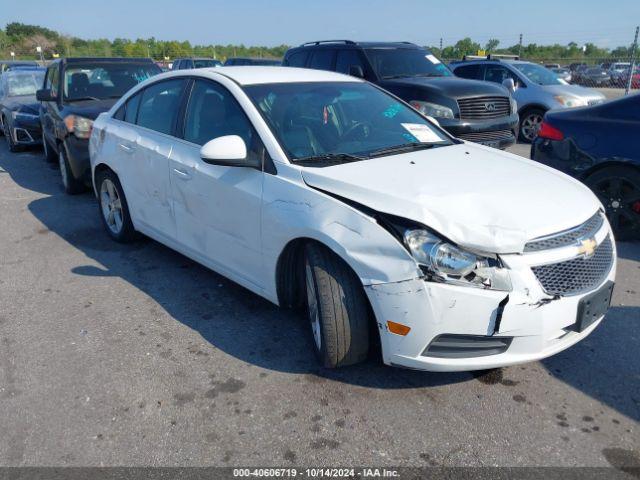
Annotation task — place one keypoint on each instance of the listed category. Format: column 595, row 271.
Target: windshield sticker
column 421, row 132
column 432, row 59
column 392, row 111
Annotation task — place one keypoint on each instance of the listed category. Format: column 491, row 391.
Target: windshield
column 405, row 62
column 318, row 119
column 24, row 82
column 204, row 63
column 538, row 74
column 104, row 80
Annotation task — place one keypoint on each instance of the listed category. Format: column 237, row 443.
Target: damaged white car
column 315, row 189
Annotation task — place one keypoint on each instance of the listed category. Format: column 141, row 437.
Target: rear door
column 217, row 208
column 148, row 143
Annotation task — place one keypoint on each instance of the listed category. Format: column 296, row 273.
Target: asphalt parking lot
column 135, row 355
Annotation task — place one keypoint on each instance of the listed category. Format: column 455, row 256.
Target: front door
column 217, row 208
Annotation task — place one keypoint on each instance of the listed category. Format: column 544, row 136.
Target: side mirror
column 44, row 95
column 510, row 84
column 431, row 119
column 228, row 150
column 356, row 71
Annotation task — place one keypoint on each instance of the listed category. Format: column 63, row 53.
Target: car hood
column 23, row 103
column 575, row 90
column 478, row 197
column 455, row 87
column 90, row 108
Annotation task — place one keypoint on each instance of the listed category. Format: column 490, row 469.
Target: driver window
column 497, row 74
column 213, row 112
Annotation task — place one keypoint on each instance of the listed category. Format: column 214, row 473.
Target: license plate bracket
column 593, row 306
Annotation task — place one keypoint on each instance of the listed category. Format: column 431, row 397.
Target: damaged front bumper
column 458, row 328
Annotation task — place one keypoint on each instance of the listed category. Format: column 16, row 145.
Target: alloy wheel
column 312, row 303
column 531, row 125
column 621, row 199
column 111, row 206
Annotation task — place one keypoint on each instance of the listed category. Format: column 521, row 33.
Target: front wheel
column 70, row 183
column 618, row 188
column 337, row 308
column 530, row 124
column 114, row 210
column 49, row 154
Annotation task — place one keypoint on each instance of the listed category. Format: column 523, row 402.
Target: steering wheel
column 362, row 128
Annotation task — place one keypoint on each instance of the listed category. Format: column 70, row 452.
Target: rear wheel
column 114, row 210
column 337, row 308
column 618, row 188
column 530, row 122
column 70, row 183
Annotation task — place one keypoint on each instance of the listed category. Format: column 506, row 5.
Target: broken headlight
column 445, row 262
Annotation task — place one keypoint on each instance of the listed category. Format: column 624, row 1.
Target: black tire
column 525, row 132
column 7, row 136
column 49, row 154
column 126, row 233
column 70, row 183
column 340, row 334
column 618, row 188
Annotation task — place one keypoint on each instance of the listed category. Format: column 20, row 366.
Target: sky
column 291, row 22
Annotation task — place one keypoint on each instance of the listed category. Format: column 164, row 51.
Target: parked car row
column 535, row 88
column 346, row 194
column 203, row 62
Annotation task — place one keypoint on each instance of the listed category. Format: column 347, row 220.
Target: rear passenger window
column 159, row 105
column 322, row 59
column 468, row 71
column 298, row 59
column 346, row 59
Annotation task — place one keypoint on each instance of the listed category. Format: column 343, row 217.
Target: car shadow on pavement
column 606, row 364
column 227, row 316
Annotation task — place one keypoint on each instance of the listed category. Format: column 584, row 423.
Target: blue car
column 599, row 146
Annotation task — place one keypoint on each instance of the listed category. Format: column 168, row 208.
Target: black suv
column 471, row 110
column 193, row 62
column 244, row 61
column 75, row 92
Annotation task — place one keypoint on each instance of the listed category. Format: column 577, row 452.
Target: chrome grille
column 578, row 275
column 568, row 237
column 481, row 108
column 491, row 136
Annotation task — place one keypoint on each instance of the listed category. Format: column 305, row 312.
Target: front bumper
column 495, row 132
column 537, row 325
column 26, row 131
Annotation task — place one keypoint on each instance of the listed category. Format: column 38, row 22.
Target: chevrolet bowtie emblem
column 587, row 246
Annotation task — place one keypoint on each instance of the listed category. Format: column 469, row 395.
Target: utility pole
column 520, row 47
column 634, row 49
column 441, row 46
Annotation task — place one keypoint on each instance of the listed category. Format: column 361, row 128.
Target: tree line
column 23, row 39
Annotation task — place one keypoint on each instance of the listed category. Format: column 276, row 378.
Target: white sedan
column 317, row 189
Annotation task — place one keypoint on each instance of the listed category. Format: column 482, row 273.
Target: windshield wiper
column 80, row 99
column 405, row 147
column 327, row 159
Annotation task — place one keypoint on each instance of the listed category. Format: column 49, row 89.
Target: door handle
column 126, row 148
column 182, row 174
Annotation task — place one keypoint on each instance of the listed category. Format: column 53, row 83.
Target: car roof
column 351, row 43
column 254, row 75
column 106, row 60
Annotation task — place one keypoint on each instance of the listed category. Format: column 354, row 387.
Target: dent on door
column 217, row 211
